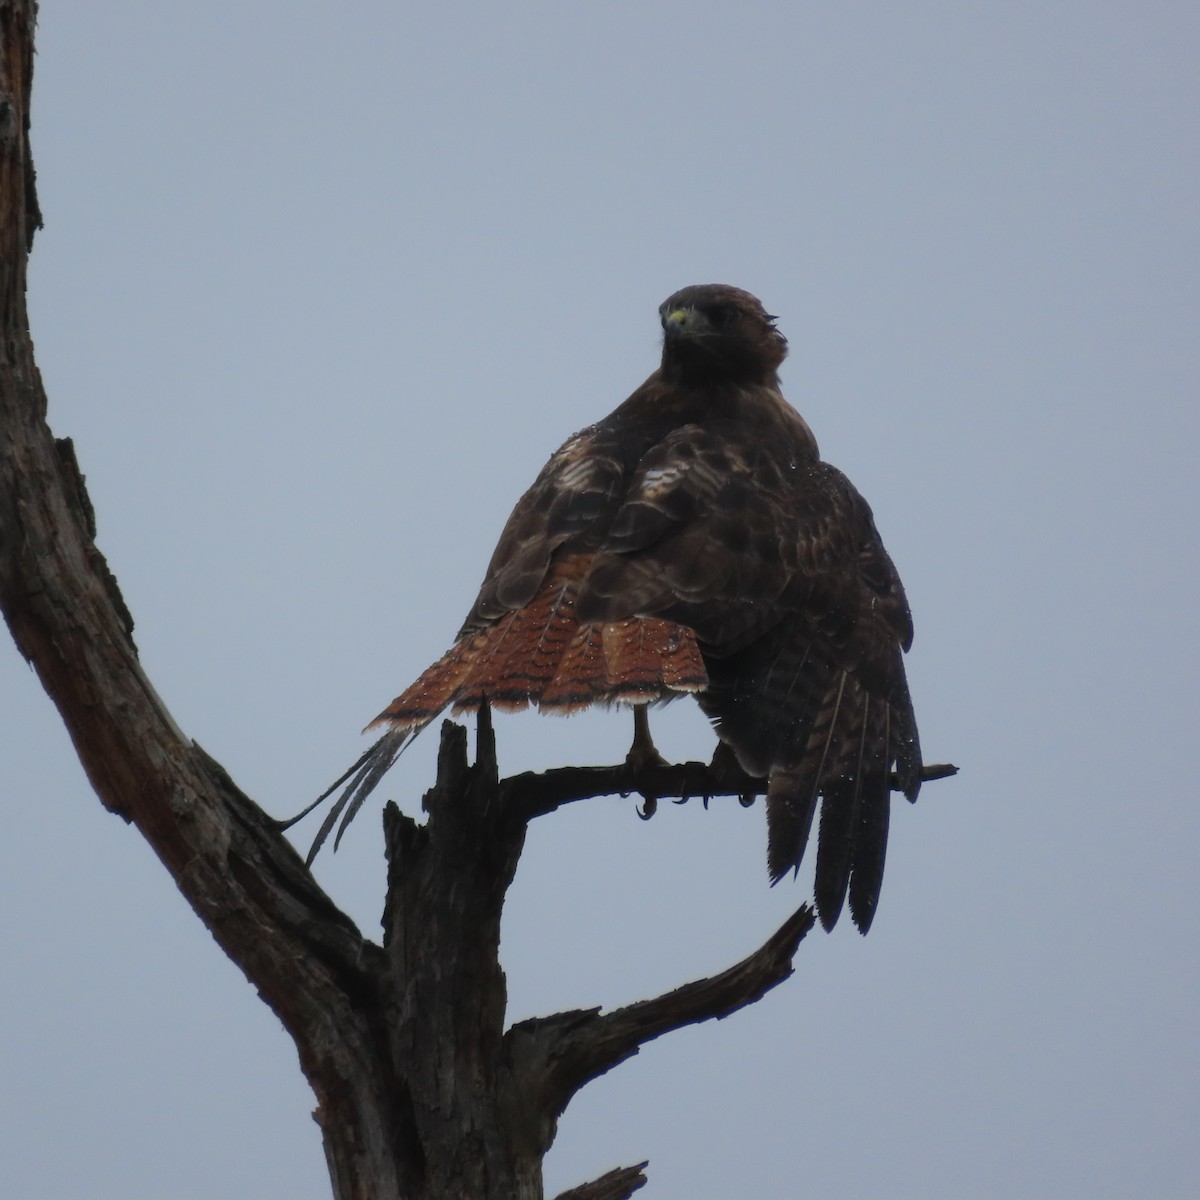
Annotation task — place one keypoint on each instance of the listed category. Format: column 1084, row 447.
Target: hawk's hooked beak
column 684, row 322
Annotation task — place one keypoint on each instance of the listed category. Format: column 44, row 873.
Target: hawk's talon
column 726, row 769
column 643, row 756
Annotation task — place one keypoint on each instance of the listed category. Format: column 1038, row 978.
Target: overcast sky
column 322, row 286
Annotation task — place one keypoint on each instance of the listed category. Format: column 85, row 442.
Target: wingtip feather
column 364, row 777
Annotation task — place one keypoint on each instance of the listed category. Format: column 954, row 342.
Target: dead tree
column 422, row 1092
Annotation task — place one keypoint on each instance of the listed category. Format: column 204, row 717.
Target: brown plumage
column 540, row 654
column 693, row 541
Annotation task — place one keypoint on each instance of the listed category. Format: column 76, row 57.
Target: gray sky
column 320, row 289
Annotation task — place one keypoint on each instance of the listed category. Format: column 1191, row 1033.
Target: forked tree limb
column 447, row 882
column 564, row 1051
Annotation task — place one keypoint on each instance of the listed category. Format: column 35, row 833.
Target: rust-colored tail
column 541, row 655
column 537, row 655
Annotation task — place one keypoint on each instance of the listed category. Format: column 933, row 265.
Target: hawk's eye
column 721, row 316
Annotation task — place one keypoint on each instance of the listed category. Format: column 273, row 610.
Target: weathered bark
column 485, row 1102
column 421, row 1093
column 617, row 1184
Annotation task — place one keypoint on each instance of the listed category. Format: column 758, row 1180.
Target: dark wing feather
column 573, row 496
column 870, row 839
column 697, row 539
column 776, row 564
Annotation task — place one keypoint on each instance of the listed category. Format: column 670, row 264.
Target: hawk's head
column 716, row 333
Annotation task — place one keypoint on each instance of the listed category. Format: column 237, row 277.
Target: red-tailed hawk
column 694, row 542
